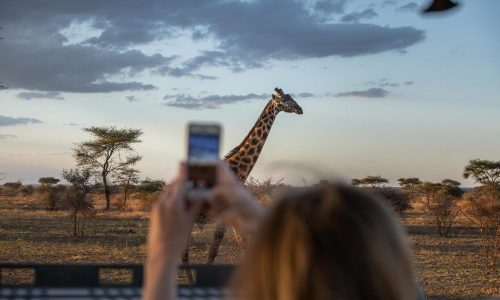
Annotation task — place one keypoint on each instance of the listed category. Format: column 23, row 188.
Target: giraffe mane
column 235, row 149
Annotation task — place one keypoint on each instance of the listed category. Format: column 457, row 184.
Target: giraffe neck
column 243, row 158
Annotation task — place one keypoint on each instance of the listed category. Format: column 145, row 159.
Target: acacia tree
column 47, row 193
column 370, row 181
column 394, row 198
column 482, row 206
column 109, row 151
column 76, row 197
column 486, row 172
column 440, row 200
column 408, row 183
column 127, row 176
column 48, row 180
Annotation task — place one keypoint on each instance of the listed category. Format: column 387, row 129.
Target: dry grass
column 447, row 268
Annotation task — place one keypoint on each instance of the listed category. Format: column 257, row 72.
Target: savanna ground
column 447, row 268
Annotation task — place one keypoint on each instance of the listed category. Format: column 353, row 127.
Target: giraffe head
column 284, row 102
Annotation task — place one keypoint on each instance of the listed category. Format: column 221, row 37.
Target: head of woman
column 328, row 242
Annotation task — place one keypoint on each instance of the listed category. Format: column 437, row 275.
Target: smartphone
column 203, row 147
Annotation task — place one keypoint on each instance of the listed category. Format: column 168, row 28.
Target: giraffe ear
column 273, row 96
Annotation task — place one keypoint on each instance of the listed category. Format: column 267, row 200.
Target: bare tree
column 482, row 206
column 440, row 201
column 482, row 209
column 109, row 151
column 76, row 197
column 126, row 177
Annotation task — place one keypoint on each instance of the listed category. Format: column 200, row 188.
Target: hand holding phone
column 203, row 155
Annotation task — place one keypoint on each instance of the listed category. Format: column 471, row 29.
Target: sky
column 385, row 90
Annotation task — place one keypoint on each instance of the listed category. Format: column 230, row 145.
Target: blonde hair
column 329, row 242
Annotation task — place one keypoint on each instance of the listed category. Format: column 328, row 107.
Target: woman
column 328, row 242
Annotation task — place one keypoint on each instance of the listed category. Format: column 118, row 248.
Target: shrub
column 49, row 196
column 146, row 200
column 396, row 199
column 264, row 190
column 481, row 207
column 149, row 185
column 27, row 190
column 11, row 189
column 76, row 197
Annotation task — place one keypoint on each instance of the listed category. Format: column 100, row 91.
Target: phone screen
column 203, row 147
column 203, row 154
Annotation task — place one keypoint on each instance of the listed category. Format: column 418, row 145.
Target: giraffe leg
column 219, row 233
column 185, row 261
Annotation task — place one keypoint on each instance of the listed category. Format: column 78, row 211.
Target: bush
column 481, row 207
column 265, row 190
column 27, row 190
column 76, row 197
column 49, row 196
column 149, row 185
column 11, row 189
column 81, row 206
column 396, row 199
column 438, row 199
column 146, row 200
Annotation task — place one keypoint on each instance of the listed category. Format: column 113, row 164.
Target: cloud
column 74, row 68
column 355, row 17
column 132, row 99
column 7, row 136
column 389, row 3
column 369, row 93
column 330, row 6
column 302, row 95
column 40, row 95
column 37, row 56
column 211, row 101
column 384, row 82
column 409, row 7
column 11, row 121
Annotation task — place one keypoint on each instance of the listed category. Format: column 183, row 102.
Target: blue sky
column 385, row 90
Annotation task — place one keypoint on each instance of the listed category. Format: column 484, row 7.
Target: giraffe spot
column 265, row 134
column 246, row 160
column 254, row 141
column 255, row 158
column 234, row 169
column 243, row 168
column 268, row 126
column 259, row 148
column 251, row 151
column 259, row 132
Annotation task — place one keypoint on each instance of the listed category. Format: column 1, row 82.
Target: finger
column 179, row 192
column 224, row 174
column 194, row 209
column 219, row 196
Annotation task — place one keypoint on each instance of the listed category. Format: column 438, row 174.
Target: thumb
column 194, row 209
column 219, row 200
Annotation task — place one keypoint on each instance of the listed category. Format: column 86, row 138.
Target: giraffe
column 242, row 158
